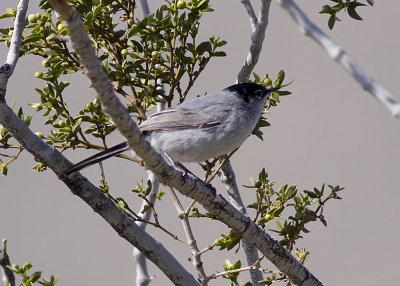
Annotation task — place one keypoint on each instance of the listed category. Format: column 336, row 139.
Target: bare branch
column 228, row 178
column 7, row 69
column 145, row 7
column 337, row 53
column 252, row 15
column 257, row 38
column 198, row 265
column 142, row 275
column 258, row 28
column 8, row 275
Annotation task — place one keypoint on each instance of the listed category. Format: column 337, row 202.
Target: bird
column 200, row 129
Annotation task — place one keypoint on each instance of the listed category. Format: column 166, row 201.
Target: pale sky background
column 329, row 131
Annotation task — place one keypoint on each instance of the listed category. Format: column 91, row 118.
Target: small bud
column 268, row 217
column 258, row 184
column 181, row 4
column 32, row 18
column 61, row 123
column 281, row 77
column 39, row 134
column 60, row 27
column 154, row 54
column 267, row 81
column 3, row 131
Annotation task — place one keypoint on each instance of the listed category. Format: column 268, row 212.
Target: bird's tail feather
column 96, row 158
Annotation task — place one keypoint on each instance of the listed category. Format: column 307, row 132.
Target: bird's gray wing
column 178, row 119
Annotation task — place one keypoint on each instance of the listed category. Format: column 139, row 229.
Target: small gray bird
column 203, row 128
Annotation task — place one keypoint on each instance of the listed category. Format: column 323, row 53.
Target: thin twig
column 197, row 263
column 254, row 266
column 221, row 164
column 337, row 53
column 143, row 221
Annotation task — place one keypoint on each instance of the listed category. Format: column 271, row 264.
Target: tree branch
column 228, row 178
column 145, row 8
column 252, row 15
column 8, row 275
column 7, row 69
column 257, row 38
column 142, row 275
column 197, row 263
column 337, row 53
column 258, row 28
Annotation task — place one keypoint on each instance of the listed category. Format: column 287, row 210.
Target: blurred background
column 328, row 131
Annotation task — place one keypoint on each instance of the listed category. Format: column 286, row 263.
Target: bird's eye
column 259, row 93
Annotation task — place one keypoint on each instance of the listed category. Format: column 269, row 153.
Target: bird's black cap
column 247, row 89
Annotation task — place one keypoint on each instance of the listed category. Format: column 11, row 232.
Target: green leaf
column 311, row 194
column 204, row 47
column 274, row 96
column 283, row 92
column 35, row 276
column 120, row 204
column 291, row 192
column 351, row 10
column 221, row 43
column 7, row 15
column 148, row 188
column 219, row 54
column 27, row 266
column 4, row 170
column 31, row 38
column 257, row 78
column 77, row 126
column 331, row 21
column 326, row 9
column 228, row 265
column 322, row 219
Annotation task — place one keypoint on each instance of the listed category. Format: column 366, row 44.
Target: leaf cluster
column 273, row 100
column 230, row 274
column 300, row 207
column 5, row 144
column 30, row 279
column 349, row 6
column 147, row 60
column 290, row 209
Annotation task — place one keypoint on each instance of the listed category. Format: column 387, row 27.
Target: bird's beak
column 273, row 89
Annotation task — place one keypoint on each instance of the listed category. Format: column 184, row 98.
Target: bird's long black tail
column 96, row 158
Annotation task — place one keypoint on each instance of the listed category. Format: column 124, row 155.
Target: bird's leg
column 178, row 165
